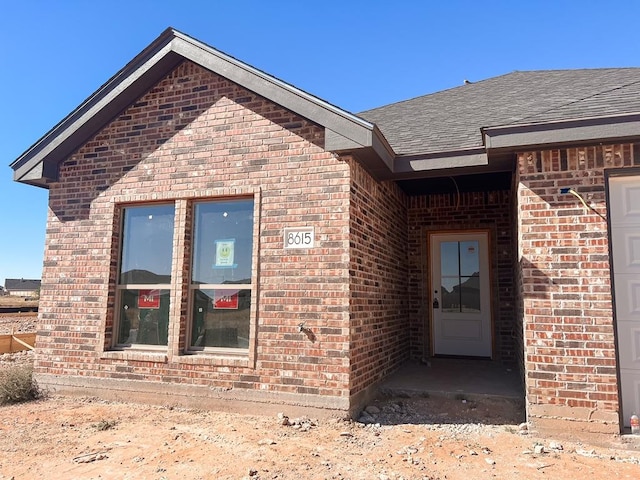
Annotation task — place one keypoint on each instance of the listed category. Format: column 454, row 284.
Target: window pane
column 144, row 317
column 470, row 294
column 449, row 259
column 147, row 245
column 223, row 242
column 469, row 258
column 450, row 294
column 221, row 318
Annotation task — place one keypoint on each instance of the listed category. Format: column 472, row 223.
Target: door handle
column 436, row 304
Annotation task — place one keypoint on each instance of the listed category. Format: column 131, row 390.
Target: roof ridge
column 436, row 92
column 364, row 112
column 586, row 69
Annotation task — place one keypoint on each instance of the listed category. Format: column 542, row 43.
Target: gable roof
column 474, row 128
column 21, row 284
column 39, row 164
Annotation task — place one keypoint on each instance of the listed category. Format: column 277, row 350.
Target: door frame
column 608, row 173
column 430, row 318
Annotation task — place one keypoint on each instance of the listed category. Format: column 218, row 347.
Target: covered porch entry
column 462, row 275
column 466, row 337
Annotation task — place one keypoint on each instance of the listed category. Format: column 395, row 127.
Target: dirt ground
column 17, row 322
column 12, row 301
column 87, row 438
column 399, row 438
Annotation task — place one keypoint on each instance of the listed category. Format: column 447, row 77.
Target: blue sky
column 354, row 54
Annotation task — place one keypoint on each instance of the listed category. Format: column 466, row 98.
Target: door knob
column 436, row 304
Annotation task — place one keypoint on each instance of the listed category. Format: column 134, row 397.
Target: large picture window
column 144, row 277
column 221, row 283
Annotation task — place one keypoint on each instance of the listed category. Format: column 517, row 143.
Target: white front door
column 460, row 294
column 624, row 214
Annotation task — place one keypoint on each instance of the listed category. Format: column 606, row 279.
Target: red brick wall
column 196, row 135
column 570, row 357
column 472, row 210
column 378, row 279
column 517, row 281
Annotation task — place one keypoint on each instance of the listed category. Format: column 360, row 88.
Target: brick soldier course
column 183, row 123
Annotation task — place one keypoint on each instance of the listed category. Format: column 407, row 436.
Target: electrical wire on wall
column 579, row 197
column 458, row 193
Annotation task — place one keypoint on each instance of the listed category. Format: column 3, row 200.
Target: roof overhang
column 521, row 137
column 39, row 164
column 345, row 133
column 374, row 153
column 425, row 165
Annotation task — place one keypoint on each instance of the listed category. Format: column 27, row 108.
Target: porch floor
column 452, row 376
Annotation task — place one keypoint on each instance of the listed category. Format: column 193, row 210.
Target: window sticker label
column 225, row 299
column 225, row 250
column 149, row 299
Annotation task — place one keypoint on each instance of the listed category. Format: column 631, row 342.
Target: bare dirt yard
column 87, row 438
column 17, row 322
column 399, row 438
column 13, row 301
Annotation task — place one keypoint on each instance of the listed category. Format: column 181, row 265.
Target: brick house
column 218, row 235
column 20, row 287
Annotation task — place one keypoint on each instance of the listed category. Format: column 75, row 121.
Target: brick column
column 566, row 297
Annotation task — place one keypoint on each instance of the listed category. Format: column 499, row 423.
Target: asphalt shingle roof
column 21, row 284
column 452, row 119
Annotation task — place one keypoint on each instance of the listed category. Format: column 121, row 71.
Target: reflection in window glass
column 144, row 317
column 470, row 294
column 460, row 277
column 223, row 242
column 469, row 258
column 221, row 318
column 147, row 246
column 221, row 274
column 146, row 259
column 449, row 259
column 449, row 302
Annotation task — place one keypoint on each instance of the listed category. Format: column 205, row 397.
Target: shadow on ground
column 431, row 409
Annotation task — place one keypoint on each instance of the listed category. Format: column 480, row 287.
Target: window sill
column 136, row 355
column 240, row 359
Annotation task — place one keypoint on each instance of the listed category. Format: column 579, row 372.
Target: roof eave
column 96, row 111
column 374, row 153
column 412, row 165
column 561, row 133
column 172, row 47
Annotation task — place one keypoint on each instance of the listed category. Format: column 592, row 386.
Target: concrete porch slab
column 452, row 377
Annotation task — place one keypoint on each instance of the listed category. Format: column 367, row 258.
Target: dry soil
column 400, row 438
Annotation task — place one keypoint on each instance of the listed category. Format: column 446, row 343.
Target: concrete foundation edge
column 562, row 418
column 196, row 396
column 360, row 400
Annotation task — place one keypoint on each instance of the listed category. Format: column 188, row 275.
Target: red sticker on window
column 149, row 299
column 225, row 299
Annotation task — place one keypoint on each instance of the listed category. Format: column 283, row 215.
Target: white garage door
column 624, row 212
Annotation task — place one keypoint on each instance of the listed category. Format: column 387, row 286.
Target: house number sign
column 301, row 237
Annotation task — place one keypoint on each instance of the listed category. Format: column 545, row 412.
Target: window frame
column 121, row 287
column 193, row 287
